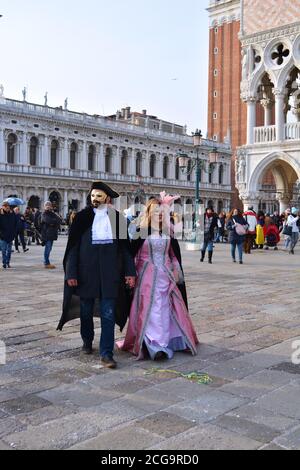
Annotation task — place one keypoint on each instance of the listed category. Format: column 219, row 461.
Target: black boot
column 202, row 256
column 210, row 255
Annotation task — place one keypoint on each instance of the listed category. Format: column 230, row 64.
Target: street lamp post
column 187, row 165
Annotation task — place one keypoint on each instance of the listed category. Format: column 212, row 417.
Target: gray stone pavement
column 247, row 318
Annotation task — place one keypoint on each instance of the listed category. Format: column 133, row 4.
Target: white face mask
column 98, row 198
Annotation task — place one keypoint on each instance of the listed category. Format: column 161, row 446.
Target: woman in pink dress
column 159, row 322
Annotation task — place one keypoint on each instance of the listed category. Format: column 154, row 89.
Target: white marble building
column 268, row 166
column 53, row 153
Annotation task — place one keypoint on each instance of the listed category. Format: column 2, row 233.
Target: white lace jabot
column 101, row 230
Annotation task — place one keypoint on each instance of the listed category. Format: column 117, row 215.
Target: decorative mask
column 98, row 198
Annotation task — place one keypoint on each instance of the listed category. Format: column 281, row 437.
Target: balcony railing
column 93, row 175
column 263, row 135
column 292, row 131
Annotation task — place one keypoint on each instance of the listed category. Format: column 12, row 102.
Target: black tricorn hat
column 104, row 187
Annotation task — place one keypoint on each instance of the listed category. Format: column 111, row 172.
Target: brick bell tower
column 227, row 114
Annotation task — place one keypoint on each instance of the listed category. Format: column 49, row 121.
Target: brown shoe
column 50, row 266
column 108, row 362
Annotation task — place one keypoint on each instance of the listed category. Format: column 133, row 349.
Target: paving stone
column 10, row 425
column 26, row 404
column 152, row 399
column 257, row 432
column 129, row 438
column 258, row 384
column 68, row 431
column 290, row 440
column 286, row 400
column 208, row 438
column 207, row 407
column 272, row 447
column 4, row 446
column 82, row 395
column 287, row 367
column 273, row 420
column 165, row 424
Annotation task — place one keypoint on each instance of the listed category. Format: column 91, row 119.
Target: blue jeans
column 240, row 247
column 107, row 315
column 6, row 248
column 48, row 249
column 208, row 245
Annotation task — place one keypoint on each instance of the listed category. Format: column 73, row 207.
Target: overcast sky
column 107, row 54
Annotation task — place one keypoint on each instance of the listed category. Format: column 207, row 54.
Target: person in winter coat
column 251, row 219
column 210, row 225
column 50, row 224
column 272, row 236
column 20, row 235
column 237, row 228
column 293, row 222
column 8, row 230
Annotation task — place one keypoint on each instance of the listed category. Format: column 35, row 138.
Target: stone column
column 251, row 120
column 97, row 156
column 116, row 161
column 21, row 149
column 172, row 167
column 131, row 162
column 279, row 115
column 65, row 203
column 268, row 106
column 60, row 163
column 46, row 153
column 100, row 158
column 45, row 197
column 251, row 203
column 65, row 150
column 284, row 201
column 81, row 157
column 84, row 198
column 145, row 160
column 2, row 148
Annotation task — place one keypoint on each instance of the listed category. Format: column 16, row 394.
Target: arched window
column 221, row 174
column 152, row 166
column 166, row 168
column 177, row 169
column 91, row 158
column 138, row 164
column 124, row 159
column 210, row 204
column 220, row 206
column 55, row 198
column 73, row 156
column 108, row 160
column 210, row 173
column 54, row 152
column 33, row 151
column 11, row 148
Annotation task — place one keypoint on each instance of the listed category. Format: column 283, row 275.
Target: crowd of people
column 133, row 265
column 249, row 231
column 25, row 229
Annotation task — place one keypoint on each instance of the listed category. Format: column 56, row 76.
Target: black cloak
column 71, row 302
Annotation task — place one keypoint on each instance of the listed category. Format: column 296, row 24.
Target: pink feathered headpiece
column 166, row 199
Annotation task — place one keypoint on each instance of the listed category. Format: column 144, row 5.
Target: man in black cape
column 98, row 266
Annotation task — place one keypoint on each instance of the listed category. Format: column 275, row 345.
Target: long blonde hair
column 144, row 221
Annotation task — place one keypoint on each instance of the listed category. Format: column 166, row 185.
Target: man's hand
column 130, row 281
column 72, row 283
